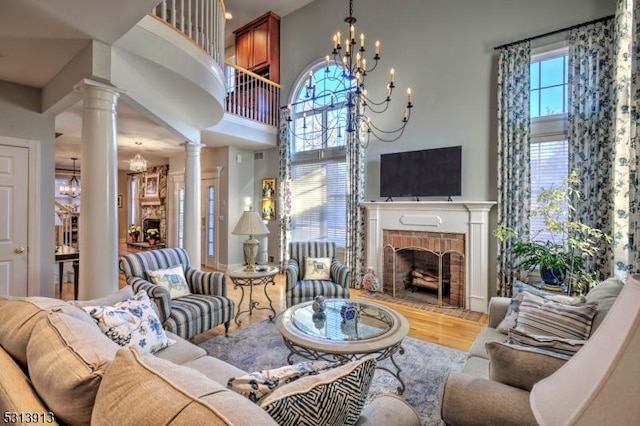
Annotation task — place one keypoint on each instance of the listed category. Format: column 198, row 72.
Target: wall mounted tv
column 426, row 173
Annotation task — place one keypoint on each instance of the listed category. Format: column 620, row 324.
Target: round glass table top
column 370, row 321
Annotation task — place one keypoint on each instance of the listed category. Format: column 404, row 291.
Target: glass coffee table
column 375, row 331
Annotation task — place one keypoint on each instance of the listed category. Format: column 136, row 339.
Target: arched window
column 318, row 166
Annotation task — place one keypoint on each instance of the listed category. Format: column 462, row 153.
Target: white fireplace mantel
column 465, row 217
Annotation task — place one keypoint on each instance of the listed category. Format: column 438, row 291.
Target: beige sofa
column 475, row 396
column 58, row 367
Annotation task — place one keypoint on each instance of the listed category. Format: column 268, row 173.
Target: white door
column 14, row 190
column 209, row 224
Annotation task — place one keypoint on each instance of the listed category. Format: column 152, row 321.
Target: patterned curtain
column 513, row 154
column 355, row 213
column 627, row 229
column 284, row 188
column 591, row 135
column 634, row 151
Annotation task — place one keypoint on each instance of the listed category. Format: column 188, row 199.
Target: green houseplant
column 561, row 248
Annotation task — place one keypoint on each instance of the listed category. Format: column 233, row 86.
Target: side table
column 263, row 275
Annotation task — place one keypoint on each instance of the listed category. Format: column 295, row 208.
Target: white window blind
column 318, row 201
column 549, row 169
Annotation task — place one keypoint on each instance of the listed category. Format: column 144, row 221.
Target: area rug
column 424, row 365
column 415, row 303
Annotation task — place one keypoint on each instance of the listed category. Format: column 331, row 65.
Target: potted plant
column 134, row 232
column 153, row 235
column 560, row 249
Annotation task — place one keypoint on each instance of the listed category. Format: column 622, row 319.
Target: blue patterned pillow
column 132, row 322
column 172, row 278
column 259, row 384
column 519, row 289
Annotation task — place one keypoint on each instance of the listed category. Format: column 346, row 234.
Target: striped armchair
column 300, row 290
column 206, row 307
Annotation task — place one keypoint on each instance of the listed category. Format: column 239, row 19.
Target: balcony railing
column 202, row 21
column 251, row 96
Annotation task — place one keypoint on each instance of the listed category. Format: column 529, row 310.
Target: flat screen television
column 425, row 173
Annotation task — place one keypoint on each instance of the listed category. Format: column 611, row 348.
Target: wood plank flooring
column 433, row 327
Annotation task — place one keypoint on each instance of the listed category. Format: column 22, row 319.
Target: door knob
column 19, row 250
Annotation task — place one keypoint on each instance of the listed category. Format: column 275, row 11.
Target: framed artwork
column 268, row 209
column 151, row 182
column 269, row 188
column 119, row 201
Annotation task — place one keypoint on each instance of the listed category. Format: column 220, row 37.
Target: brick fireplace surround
column 423, row 251
column 467, row 221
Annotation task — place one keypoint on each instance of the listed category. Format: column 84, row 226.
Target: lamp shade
column 600, row 384
column 250, row 223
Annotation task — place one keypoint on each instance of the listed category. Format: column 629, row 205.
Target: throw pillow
column 259, row 384
column 519, row 366
column 549, row 345
column 132, row 322
column 317, row 268
column 335, row 397
column 519, row 288
column 173, row 279
column 538, row 316
column 67, row 358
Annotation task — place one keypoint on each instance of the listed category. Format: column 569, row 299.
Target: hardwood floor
column 433, row 327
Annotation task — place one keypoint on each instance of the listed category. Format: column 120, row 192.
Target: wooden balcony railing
column 252, row 96
column 202, row 21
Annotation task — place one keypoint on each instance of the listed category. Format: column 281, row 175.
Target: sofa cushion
column 215, row 369
column 172, row 279
column 20, row 315
column 17, row 395
column 519, row 289
column 181, row 351
column 335, row 397
column 487, row 334
column 132, row 322
column 67, row 358
column 317, row 268
column 181, row 396
column 604, row 294
column 517, row 366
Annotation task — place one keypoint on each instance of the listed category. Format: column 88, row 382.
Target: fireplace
column 462, row 226
column 429, row 265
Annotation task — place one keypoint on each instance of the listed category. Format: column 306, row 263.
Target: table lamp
column 250, row 224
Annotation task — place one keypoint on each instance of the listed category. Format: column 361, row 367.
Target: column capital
column 87, row 83
column 191, row 147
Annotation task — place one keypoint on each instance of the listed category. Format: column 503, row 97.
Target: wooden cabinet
column 258, row 46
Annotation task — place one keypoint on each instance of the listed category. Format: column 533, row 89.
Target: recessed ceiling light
column 228, row 16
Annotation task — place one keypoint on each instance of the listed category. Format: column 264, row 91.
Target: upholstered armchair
column 300, row 289
column 206, row 307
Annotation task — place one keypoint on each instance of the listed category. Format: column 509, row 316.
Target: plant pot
column 151, row 241
column 552, row 276
column 133, row 238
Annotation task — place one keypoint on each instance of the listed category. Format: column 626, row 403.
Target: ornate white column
column 99, row 181
column 192, row 203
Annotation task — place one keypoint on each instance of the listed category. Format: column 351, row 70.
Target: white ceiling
column 51, row 32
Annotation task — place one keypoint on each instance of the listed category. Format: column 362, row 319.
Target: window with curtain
column 318, row 162
column 549, row 154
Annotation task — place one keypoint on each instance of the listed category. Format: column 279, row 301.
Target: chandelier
column 72, row 188
column 138, row 163
column 336, row 101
